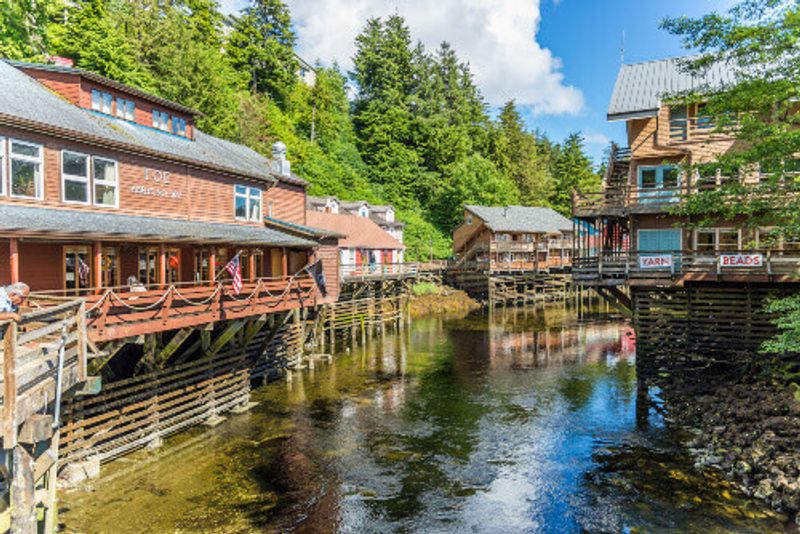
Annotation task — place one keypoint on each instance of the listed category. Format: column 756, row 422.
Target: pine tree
column 572, row 169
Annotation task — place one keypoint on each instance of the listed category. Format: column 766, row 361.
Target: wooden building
column 712, row 279
column 382, row 215
column 512, row 238
column 113, row 195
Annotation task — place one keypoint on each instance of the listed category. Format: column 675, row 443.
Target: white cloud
column 595, row 138
column 497, row 38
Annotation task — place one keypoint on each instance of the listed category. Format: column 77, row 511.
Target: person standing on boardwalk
column 11, row 298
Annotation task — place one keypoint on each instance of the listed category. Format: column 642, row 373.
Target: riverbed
column 521, row 420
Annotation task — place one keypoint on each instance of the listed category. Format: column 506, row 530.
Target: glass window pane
column 241, row 190
column 130, row 110
column 107, row 99
column 241, row 207
column 105, row 195
column 648, row 178
column 728, row 240
column 23, row 178
column 74, row 164
column 96, row 100
column 706, row 240
column 105, row 170
column 23, row 149
column 75, row 191
column 670, row 177
column 255, row 210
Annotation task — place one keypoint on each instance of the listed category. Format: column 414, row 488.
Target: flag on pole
column 83, row 271
column 234, row 267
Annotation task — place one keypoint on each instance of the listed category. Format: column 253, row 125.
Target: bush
column 425, row 288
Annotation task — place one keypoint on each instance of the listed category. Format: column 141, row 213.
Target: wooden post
column 13, row 254
column 23, row 505
column 97, row 264
column 212, row 266
column 162, row 265
column 284, row 262
column 251, row 267
column 9, row 385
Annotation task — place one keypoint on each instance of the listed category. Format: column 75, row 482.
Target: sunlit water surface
column 519, row 421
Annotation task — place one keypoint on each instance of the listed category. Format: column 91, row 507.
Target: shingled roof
column 85, row 224
column 640, row 87
column 27, row 102
column 523, row 219
column 360, row 232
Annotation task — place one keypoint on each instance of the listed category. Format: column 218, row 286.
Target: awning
column 89, row 225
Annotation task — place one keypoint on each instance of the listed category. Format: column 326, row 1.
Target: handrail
column 377, row 269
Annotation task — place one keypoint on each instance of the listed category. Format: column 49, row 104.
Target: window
column 105, row 182
column 2, row 166
column 148, row 266
column 728, row 239
column 247, row 203
column 26, row 169
column 101, row 101
column 110, row 267
column 363, row 211
column 705, row 240
column 648, row 179
column 178, row 126
column 469, row 219
column 75, row 177
column 704, row 120
column 709, row 240
column 77, row 272
column 161, row 120
column 126, row 109
column 678, row 130
column 659, row 183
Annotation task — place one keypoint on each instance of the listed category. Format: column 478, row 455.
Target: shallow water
column 522, row 421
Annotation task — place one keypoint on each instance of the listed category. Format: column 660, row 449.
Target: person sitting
column 11, row 298
column 135, row 285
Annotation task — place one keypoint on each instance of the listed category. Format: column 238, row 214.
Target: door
column 77, row 273
column 658, row 184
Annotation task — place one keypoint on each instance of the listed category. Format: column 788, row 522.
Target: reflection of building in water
column 543, row 346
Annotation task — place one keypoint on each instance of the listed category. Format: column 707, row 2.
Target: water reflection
column 522, row 421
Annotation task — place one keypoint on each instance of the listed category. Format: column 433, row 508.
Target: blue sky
column 557, row 58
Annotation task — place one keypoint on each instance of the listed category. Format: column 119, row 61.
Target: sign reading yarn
column 660, row 261
column 741, row 260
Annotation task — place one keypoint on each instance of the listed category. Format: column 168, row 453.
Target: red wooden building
column 113, row 194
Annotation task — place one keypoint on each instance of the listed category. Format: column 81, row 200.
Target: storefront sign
column 660, row 261
column 741, row 260
column 155, row 185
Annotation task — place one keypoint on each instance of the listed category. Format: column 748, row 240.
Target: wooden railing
column 125, row 311
column 377, row 270
column 770, row 265
column 512, row 246
column 43, row 356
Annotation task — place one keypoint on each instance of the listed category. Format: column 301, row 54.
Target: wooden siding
column 62, row 83
column 191, row 194
column 5, row 263
column 286, row 202
column 328, row 252
column 40, row 265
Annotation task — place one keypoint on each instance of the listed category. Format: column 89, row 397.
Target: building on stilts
column 512, row 254
column 693, row 289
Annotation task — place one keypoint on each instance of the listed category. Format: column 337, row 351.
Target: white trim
column 38, row 179
column 106, row 183
column 248, row 197
column 3, row 165
column 86, row 180
column 716, row 231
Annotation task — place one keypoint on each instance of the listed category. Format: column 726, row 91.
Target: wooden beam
column 284, row 262
column 9, row 385
column 97, row 265
column 162, row 265
column 212, row 266
column 230, row 331
column 13, row 254
column 251, row 267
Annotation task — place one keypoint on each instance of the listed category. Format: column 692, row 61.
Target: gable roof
column 524, row 219
column 27, row 103
column 641, row 86
column 360, row 232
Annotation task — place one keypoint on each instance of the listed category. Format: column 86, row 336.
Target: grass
column 425, row 288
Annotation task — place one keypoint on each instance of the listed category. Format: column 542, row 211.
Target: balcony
column 377, row 271
column 513, row 246
column 675, row 268
column 120, row 312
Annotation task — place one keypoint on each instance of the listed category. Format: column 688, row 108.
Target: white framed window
column 247, row 203
column 469, row 219
column 717, row 239
column 161, row 120
column 178, row 126
column 26, row 169
column 104, row 172
column 126, row 109
column 363, row 211
column 2, row 166
column 102, row 101
column 74, row 177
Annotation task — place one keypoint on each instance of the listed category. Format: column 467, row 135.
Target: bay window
column 75, row 177
column 247, row 203
column 26, row 169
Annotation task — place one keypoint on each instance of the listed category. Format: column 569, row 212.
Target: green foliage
column 425, row 288
column 571, row 169
column 417, row 133
column 787, row 311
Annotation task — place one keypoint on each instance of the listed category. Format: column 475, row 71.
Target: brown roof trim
column 106, row 81
column 71, row 135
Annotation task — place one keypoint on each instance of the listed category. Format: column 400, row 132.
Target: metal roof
column 359, row 232
column 523, row 219
column 300, row 228
column 86, row 224
column 640, row 87
column 26, row 100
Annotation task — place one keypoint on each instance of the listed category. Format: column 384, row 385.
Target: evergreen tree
column 261, row 43
column 23, row 28
column 572, row 169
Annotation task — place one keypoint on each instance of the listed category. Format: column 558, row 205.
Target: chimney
column 505, row 212
column 280, row 164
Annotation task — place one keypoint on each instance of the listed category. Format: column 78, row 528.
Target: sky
column 558, row 59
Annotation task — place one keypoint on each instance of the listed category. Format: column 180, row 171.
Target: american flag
column 83, row 271
column 234, row 267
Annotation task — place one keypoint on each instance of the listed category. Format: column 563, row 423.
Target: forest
column 407, row 126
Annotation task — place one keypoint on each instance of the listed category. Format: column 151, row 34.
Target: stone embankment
column 747, row 424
